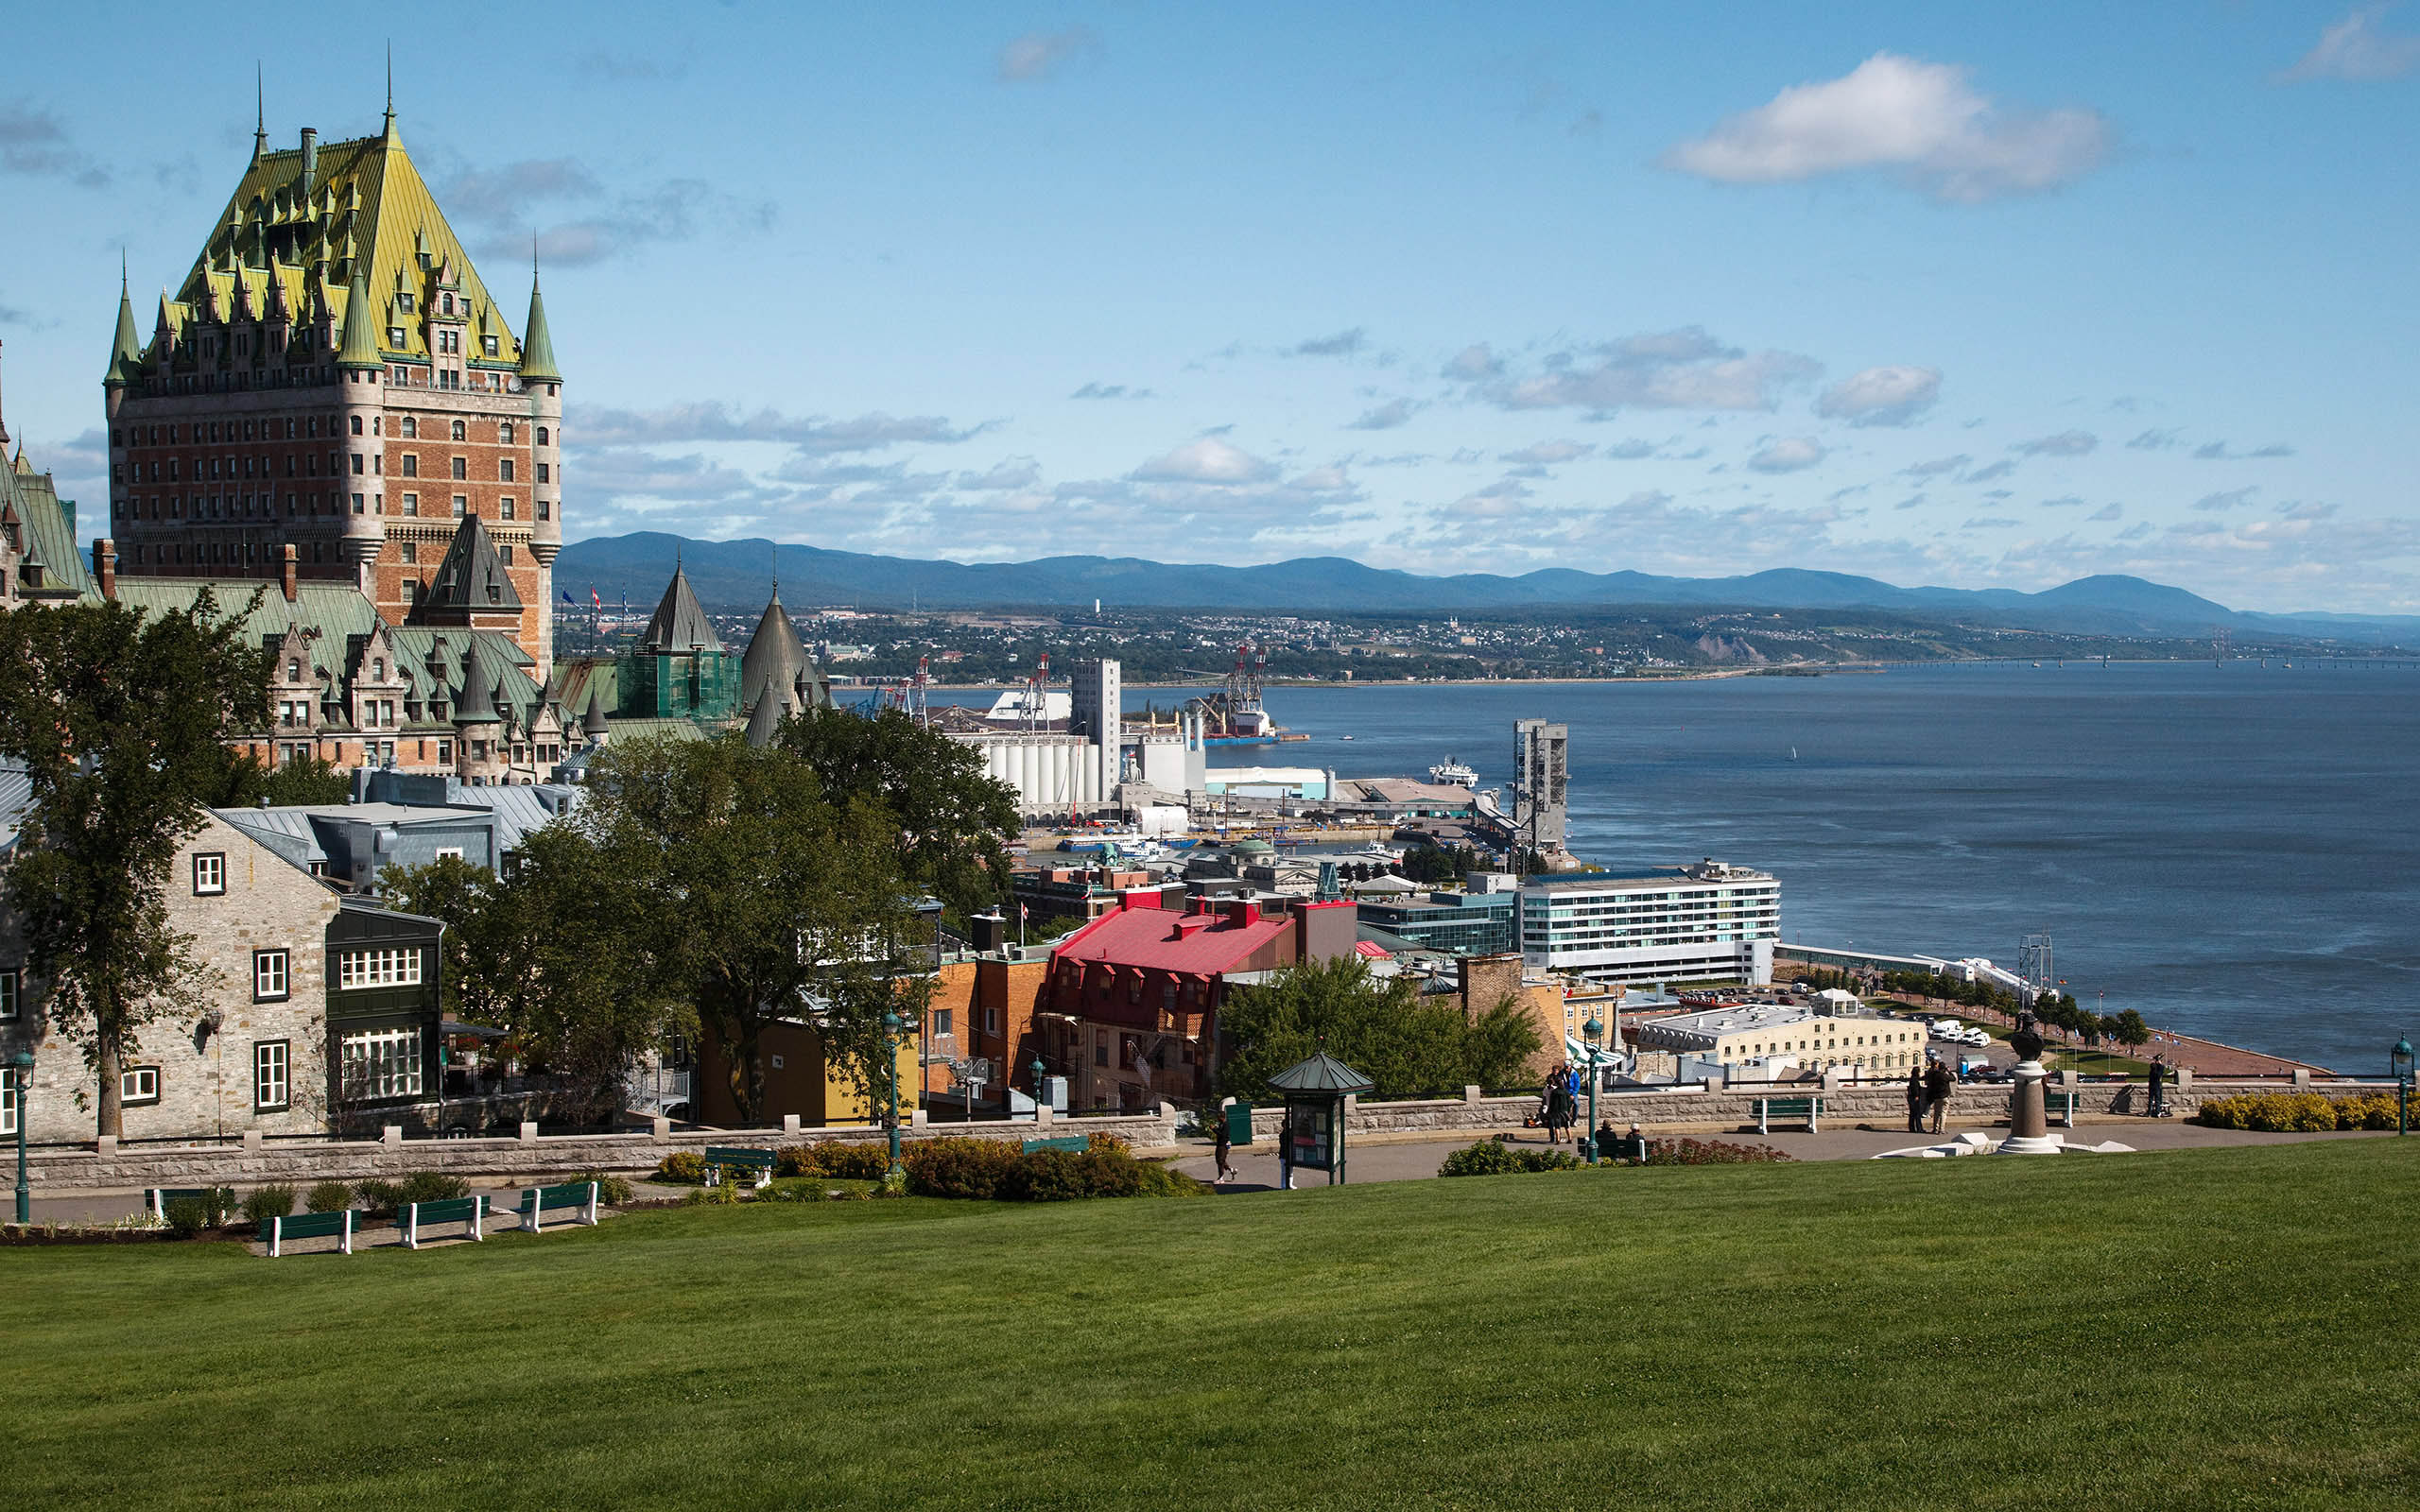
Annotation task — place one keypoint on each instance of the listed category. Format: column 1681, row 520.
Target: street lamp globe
column 2399, row 1058
column 1593, row 1029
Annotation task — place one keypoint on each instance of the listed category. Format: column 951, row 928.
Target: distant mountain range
column 737, row 576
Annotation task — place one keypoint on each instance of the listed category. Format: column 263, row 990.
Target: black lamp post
column 2399, row 1060
column 1595, row 1030
column 21, row 1066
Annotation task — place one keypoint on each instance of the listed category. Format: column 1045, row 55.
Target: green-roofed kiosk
column 1315, row 1091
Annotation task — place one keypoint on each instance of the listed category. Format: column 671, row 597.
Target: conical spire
column 775, row 659
column 359, row 346
column 260, row 113
column 680, row 623
column 125, row 354
column 477, row 705
column 764, row 721
column 537, row 342
column 593, row 722
column 471, row 580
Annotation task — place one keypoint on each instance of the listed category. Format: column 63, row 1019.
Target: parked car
column 1945, row 1026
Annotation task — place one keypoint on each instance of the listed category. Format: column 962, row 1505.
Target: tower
column 333, row 375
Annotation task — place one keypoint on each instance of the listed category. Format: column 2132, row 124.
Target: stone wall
column 531, row 1159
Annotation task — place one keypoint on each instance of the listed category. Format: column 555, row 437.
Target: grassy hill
column 2230, row 1327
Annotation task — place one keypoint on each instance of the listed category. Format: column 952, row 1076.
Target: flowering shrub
column 837, row 1160
column 2297, row 1113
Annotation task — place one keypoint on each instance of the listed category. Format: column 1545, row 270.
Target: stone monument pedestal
column 2028, row 1120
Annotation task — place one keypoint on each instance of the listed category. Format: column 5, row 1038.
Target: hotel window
column 210, row 873
column 411, row 504
column 504, row 471
column 505, row 507
column 268, row 976
column 461, row 505
column 461, row 466
column 412, row 463
column 138, row 1084
column 8, row 1105
column 541, row 436
column 381, row 1063
column 504, row 433
column 411, row 428
column 462, row 433
column 943, row 1020
column 273, row 1084
column 544, row 510
column 411, row 548
column 394, row 335
column 10, row 982
column 384, row 966
column 488, row 344
column 545, row 473
column 504, row 555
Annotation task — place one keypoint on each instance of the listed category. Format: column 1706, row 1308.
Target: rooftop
column 1166, row 940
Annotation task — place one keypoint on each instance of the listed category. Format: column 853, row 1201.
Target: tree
column 1407, row 1044
column 759, row 900
column 119, row 718
column 952, row 820
column 547, row 954
column 246, row 783
column 2132, row 1031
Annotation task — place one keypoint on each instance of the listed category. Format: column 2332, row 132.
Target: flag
column 593, row 599
column 568, row 599
column 1022, row 911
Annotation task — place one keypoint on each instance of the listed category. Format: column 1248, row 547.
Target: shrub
column 273, row 1201
column 1156, row 1178
column 611, row 1190
column 959, row 1167
column 328, row 1197
column 681, row 1166
column 838, row 1160
column 1495, row 1157
column 721, row 1194
column 2297, row 1113
column 1711, row 1152
column 378, row 1197
column 188, row 1216
column 430, row 1186
column 1049, row 1175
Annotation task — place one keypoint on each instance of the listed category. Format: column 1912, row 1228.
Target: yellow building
column 1816, row 1041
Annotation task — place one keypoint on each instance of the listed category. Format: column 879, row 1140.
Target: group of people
column 1929, row 1088
column 1559, row 1102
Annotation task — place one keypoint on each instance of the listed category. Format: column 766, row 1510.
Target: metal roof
column 1322, row 1073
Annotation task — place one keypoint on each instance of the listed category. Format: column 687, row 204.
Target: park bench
column 275, row 1232
column 417, row 1215
column 578, row 1197
column 758, row 1163
column 1077, row 1142
column 1769, row 1109
column 156, row 1199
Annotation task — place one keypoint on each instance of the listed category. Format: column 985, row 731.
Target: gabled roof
column 471, row 579
column 680, row 623
column 46, row 532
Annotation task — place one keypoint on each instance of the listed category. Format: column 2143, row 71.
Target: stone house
column 312, row 1007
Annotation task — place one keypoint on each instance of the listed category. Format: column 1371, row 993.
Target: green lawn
column 2224, row 1327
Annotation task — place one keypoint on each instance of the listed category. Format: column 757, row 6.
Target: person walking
column 2159, row 1086
column 1916, row 1099
column 1223, row 1147
column 1939, row 1084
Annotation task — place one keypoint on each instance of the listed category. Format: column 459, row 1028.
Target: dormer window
column 394, row 335
column 449, row 304
column 293, row 670
column 378, row 670
column 403, row 302
column 488, row 344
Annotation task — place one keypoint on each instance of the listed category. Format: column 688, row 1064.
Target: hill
column 735, row 576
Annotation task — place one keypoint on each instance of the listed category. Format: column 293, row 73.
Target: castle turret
column 541, row 387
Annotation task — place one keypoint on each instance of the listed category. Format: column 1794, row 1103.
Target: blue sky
column 1934, row 293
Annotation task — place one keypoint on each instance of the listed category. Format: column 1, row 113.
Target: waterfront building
column 1705, row 922
column 1457, row 923
column 1760, row 1035
column 333, row 394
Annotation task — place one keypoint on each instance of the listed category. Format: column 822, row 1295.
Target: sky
column 1983, row 297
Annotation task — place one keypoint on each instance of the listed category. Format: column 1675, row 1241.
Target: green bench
column 576, row 1198
column 1078, row 1142
column 1807, row 1109
column 758, row 1163
column 416, row 1215
column 275, row 1232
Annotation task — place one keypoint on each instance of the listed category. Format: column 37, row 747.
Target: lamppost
column 21, row 1065
column 1595, row 1030
column 1038, row 1089
column 2399, row 1058
column 890, row 1059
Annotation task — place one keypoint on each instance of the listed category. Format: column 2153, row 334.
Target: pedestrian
column 1223, row 1146
column 1637, row 1143
column 2159, row 1086
column 1916, row 1099
column 1939, row 1084
column 1605, row 1140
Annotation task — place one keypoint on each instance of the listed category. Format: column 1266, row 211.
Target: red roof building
column 1129, row 1013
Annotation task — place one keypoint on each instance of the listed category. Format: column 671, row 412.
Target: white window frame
column 272, row 976
column 7, row 1102
column 380, row 1064
column 272, row 1075
column 130, row 1084
column 445, row 851
column 378, row 966
column 209, row 874
column 12, row 987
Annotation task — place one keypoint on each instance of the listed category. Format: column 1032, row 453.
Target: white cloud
column 1924, row 119
column 2066, row 444
column 1022, row 474
column 1474, row 363
column 1207, row 460
column 1993, row 473
column 2220, row 452
column 2359, row 48
column 1937, row 466
column 1342, row 344
column 813, row 434
column 1037, row 55
column 1385, row 416
column 2232, row 499
column 1881, row 396
column 1110, row 391
column 1547, row 454
column 1787, row 453
column 2154, row 441
column 2108, row 511
column 1686, row 368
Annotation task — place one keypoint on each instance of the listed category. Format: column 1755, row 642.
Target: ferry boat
column 1453, row 774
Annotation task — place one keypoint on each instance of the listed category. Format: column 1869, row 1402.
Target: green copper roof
column 125, row 354
column 538, row 345
column 359, row 347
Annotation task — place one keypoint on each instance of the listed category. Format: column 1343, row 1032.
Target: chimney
column 990, row 933
column 286, row 571
column 310, row 158
column 105, row 566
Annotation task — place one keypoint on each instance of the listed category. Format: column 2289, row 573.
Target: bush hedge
column 276, row 1200
column 997, row 1171
column 329, row 1196
column 681, row 1166
column 2298, row 1112
column 1495, row 1157
column 836, row 1160
column 1712, row 1152
column 384, row 1199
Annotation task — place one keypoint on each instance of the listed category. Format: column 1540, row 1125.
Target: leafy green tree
column 119, row 718
column 1407, row 1044
column 952, row 820
column 2132, row 1031
column 246, row 783
column 758, row 899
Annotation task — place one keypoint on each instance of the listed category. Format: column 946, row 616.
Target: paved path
column 1256, row 1170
